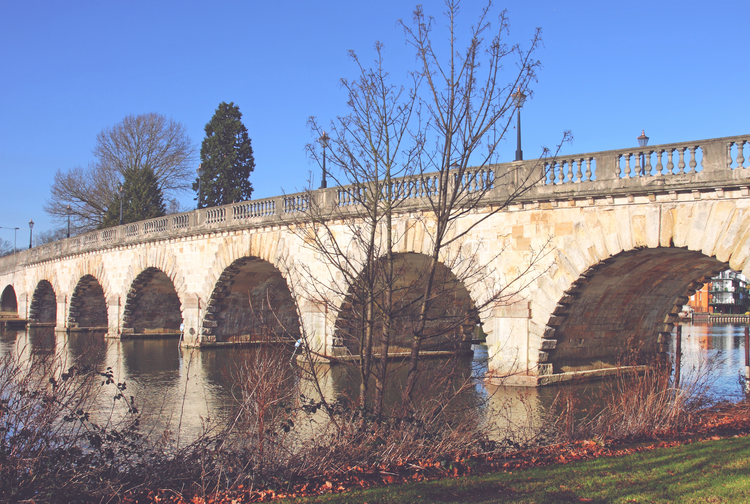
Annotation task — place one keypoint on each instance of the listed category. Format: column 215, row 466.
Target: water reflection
column 183, row 390
column 718, row 349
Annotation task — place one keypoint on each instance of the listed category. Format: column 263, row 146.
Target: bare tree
column 137, row 141
column 440, row 135
column 6, row 248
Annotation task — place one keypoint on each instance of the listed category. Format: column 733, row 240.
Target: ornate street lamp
column 68, row 212
column 200, row 171
column 642, row 142
column 121, row 192
column 518, row 99
column 324, row 143
column 31, row 227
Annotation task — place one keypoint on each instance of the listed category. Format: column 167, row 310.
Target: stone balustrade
column 687, row 166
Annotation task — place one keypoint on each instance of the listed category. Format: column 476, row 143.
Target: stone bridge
column 629, row 235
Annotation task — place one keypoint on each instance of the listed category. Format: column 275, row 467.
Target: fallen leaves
column 729, row 419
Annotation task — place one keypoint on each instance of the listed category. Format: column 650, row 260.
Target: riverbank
column 708, row 460
column 706, row 471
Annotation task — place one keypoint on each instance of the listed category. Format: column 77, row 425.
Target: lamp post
column 642, row 142
column 31, row 227
column 68, row 211
column 121, row 192
column 200, row 172
column 15, row 231
column 518, row 99
column 324, row 143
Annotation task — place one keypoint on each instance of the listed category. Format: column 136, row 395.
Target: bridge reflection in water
column 188, row 389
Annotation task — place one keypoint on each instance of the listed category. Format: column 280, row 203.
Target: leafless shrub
column 638, row 403
column 51, row 441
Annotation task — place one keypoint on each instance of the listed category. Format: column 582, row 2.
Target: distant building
column 699, row 301
column 725, row 293
column 728, row 293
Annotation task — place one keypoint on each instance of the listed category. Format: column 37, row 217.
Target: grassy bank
column 703, row 471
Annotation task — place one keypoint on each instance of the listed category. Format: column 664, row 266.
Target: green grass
column 706, row 471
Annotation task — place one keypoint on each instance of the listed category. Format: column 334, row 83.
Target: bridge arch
column 88, row 305
column 627, row 262
column 451, row 319
column 152, row 305
column 622, row 310
column 250, row 301
column 43, row 308
column 9, row 301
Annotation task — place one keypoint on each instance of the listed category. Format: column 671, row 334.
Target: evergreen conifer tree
column 142, row 199
column 226, row 159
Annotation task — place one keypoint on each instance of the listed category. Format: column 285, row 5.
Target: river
column 184, row 390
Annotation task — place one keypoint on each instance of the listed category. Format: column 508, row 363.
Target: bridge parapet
column 685, row 166
column 667, row 160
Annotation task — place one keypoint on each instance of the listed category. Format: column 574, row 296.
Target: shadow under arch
column 43, row 308
column 451, row 316
column 251, row 301
column 152, row 305
column 9, row 301
column 88, row 306
column 622, row 310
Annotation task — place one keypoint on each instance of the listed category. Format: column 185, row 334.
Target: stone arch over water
column 451, row 318
column 88, row 305
column 43, row 309
column 250, row 301
column 9, row 301
column 619, row 275
column 621, row 311
column 152, row 305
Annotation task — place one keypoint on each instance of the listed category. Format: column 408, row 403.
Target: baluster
column 740, row 155
column 558, row 171
column 588, row 170
column 681, row 163
column 548, row 175
column 693, row 162
column 628, row 174
column 670, row 164
column 647, row 159
column 659, row 166
column 729, row 155
column 579, row 169
column 638, row 169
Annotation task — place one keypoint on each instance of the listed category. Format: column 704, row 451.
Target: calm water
column 184, row 389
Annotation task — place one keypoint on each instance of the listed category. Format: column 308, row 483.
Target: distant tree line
column 142, row 164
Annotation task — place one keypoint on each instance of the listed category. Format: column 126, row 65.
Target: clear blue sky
column 679, row 70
